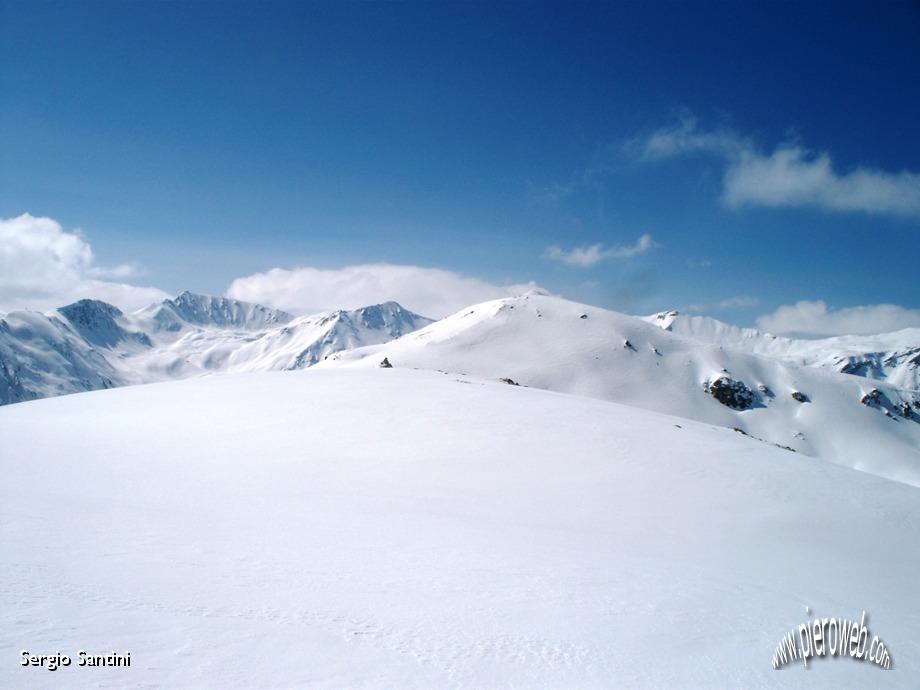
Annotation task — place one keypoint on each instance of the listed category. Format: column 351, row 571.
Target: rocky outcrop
column 11, row 388
column 900, row 367
column 731, row 393
column 871, row 398
column 892, row 408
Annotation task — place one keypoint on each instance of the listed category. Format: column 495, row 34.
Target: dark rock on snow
column 731, row 393
column 872, row 397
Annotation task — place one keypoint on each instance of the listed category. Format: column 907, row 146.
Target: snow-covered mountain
column 211, row 312
column 391, row 528
column 536, row 533
column 797, row 394
column 891, row 357
column 90, row 344
column 43, row 355
column 547, row 342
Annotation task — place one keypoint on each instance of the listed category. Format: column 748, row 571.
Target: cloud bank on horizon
column 815, row 319
column 789, row 176
column 43, row 266
column 431, row 292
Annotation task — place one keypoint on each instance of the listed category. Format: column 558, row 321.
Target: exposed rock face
column 900, row 366
column 798, row 396
column 11, row 388
column 510, row 382
column 731, row 393
column 873, row 397
column 891, row 407
column 385, row 364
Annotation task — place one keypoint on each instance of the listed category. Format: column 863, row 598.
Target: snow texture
column 384, row 528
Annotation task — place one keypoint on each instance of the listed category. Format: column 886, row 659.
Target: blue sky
column 769, row 151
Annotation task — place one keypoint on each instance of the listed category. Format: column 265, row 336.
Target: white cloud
column 790, row 176
column 119, row 271
column 734, row 302
column 591, row 255
column 815, row 319
column 738, row 302
column 43, row 267
column 685, row 138
column 432, row 292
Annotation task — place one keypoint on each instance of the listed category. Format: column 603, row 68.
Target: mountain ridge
column 554, row 344
column 794, row 394
column 893, row 357
column 90, row 344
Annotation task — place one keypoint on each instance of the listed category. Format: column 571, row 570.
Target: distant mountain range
column 853, row 400
column 891, row 357
column 90, row 345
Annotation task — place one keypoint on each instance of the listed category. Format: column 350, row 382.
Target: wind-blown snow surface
column 393, row 528
column 548, row 342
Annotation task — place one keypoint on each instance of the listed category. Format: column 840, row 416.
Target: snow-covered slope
column 547, row 342
column 669, row 363
column 90, row 344
column 43, row 355
column 891, row 357
column 401, row 529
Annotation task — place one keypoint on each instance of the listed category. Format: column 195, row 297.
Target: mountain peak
column 98, row 323
column 89, row 309
column 346, row 330
column 206, row 310
column 389, row 315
